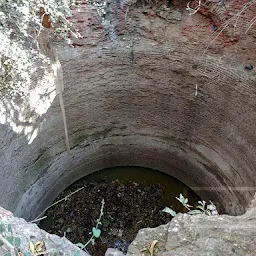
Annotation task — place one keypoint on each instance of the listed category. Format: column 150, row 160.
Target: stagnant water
column 134, row 199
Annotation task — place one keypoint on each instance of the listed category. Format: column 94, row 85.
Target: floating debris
column 248, row 67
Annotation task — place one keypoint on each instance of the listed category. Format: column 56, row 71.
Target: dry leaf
column 151, row 248
column 31, row 247
column 39, row 246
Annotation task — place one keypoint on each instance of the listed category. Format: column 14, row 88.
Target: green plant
column 201, row 208
column 95, row 230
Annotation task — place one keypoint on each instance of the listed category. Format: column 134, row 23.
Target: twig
column 36, row 220
column 223, row 27
column 63, row 199
column 117, row 180
column 253, row 20
column 226, row 24
column 196, row 90
column 242, row 10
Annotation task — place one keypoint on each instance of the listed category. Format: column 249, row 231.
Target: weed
column 95, row 230
column 201, row 208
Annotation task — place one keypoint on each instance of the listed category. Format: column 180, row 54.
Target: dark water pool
column 171, row 186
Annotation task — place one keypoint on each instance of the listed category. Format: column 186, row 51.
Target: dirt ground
column 128, row 208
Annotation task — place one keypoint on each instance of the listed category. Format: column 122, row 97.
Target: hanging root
column 64, row 122
column 216, row 34
column 45, row 46
column 58, row 75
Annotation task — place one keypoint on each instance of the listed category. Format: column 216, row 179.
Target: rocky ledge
column 200, row 235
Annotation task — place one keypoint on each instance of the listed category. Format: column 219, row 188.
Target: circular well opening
column 134, row 198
